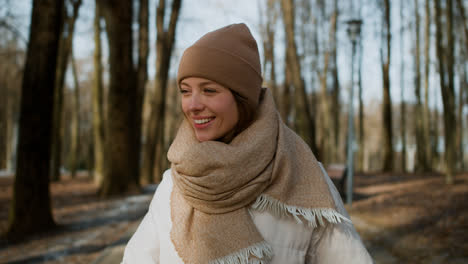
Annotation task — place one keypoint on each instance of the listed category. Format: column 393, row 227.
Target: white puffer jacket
column 292, row 243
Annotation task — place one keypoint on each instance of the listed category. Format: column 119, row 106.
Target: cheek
column 230, row 112
column 184, row 106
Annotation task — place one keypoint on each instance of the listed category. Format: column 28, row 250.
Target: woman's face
column 209, row 107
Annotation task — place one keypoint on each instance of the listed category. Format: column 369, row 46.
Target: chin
column 203, row 138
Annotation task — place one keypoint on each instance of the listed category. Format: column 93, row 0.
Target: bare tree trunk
column 9, row 136
column 421, row 164
column 30, row 210
column 463, row 87
column 118, row 174
column 336, row 106
column 155, row 133
column 461, row 104
column 3, row 125
column 402, row 88
column 450, row 119
column 324, row 101
column 65, row 47
column 175, row 113
column 269, row 47
column 320, row 64
column 11, row 76
column 315, row 78
column 288, row 18
column 427, row 65
column 75, row 129
column 446, row 83
column 387, row 101
column 434, row 135
column 98, row 104
column 361, row 133
column 297, row 107
column 7, row 100
column 461, row 10
column 57, row 131
column 304, row 13
column 142, row 77
column 333, row 113
column 172, row 120
column 287, row 91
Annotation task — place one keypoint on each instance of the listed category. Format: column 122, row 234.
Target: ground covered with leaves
column 86, row 223
column 402, row 218
column 413, row 218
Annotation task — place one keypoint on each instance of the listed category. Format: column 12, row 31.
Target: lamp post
column 354, row 31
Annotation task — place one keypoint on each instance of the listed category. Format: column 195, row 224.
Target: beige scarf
column 265, row 167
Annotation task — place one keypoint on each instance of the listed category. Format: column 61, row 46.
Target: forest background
column 89, row 86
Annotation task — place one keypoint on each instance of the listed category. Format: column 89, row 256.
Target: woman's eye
column 209, row 90
column 183, row 91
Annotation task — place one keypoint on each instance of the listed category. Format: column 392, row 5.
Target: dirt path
column 412, row 218
column 379, row 251
column 380, row 242
column 84, row 235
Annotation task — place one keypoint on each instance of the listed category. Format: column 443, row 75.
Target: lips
column 202, row 122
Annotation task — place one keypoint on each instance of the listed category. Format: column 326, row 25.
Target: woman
column 243, row 187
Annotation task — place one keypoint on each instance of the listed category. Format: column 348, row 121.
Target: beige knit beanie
column 228, row 56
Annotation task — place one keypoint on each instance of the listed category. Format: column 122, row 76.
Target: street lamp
column 354, row 32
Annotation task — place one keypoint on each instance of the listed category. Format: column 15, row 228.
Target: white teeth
column 202, row 121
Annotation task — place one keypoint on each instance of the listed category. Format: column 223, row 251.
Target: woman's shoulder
column 167, row 176
column 163, row 192
column 334, row 193
column 166, row 182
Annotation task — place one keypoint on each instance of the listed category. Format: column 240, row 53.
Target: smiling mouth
column 202, row 121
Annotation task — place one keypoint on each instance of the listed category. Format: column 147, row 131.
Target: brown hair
column 246, row 112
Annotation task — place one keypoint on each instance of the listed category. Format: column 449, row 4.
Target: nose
column 195, row 103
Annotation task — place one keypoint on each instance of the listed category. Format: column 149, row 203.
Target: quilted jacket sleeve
column 337, row 243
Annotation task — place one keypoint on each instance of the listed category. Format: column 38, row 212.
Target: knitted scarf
column 265, row 167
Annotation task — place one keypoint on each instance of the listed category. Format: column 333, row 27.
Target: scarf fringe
column 312, row 215
column 261, row 251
